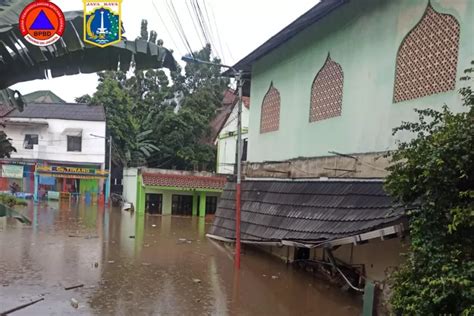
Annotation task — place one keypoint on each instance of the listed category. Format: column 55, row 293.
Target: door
column 154, row 203
column 182, row 205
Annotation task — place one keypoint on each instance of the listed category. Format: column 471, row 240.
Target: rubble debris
column 74, row 303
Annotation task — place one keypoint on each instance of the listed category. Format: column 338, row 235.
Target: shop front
column 70, row 182
column 17, row 177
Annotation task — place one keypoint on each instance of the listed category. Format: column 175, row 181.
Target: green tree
column 181, row 132
column 6, row 147
column 159, row 120
column 435, row 172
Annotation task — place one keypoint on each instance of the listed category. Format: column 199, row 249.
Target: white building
column 226, row 140
column 60, row 148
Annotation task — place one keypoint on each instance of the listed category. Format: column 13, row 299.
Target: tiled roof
column 184, row 181
column 62, row 111
column 312, row 16
column 309, row 211
column 223, row 113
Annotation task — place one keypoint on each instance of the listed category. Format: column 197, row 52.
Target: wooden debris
column 21, row 307
column 73, row 287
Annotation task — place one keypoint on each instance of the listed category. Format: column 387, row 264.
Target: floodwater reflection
column 145, row 265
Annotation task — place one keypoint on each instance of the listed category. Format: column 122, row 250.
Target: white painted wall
column 130, row 185
column 52, row 144
column 227, row 144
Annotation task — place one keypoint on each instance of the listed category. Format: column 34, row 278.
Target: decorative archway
column 427, row 58
column 270, row 112
column 326, row 92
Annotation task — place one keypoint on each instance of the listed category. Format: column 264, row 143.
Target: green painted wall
column 363, row 37
column 168, row 195
column 88, row 186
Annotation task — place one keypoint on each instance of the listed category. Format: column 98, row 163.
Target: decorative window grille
column 326, row 92
column 427, row 58
column 270, row 114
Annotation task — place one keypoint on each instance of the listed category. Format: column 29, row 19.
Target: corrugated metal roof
column 62, row 111
column 305, row 211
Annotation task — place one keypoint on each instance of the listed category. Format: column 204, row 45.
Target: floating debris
column 196, row 281
column 73, row 287
column 21, row 307
column 74, row 303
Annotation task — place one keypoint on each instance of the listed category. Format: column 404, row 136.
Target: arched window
column 427, row 58
column 326, row 92
column 270, row 114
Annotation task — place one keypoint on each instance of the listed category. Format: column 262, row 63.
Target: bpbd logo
column 102, row 22
column 42, row 23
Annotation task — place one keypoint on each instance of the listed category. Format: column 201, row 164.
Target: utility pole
column 109, row 179
column 238, row 77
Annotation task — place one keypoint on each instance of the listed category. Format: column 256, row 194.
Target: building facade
column 226, row 140
column 60, row 149
column 172, row 192
column 330, row 88
column 326, row 93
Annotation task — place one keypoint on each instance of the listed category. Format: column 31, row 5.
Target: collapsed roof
column 306, row 211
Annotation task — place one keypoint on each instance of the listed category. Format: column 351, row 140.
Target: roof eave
column 315, row 14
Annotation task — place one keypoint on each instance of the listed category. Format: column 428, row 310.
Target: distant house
column 326, row 92
column 60, row 148
column 225, row 131
column 172, row 192
column 42, row 96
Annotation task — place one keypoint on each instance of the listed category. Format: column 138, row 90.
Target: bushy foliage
column 6, row 147
column 11, row 201
column 435, row 171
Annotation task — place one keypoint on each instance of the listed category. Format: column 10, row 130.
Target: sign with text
column 12, row 171
column 71, row 170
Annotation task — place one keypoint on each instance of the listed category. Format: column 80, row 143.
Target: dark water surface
column 152, row 273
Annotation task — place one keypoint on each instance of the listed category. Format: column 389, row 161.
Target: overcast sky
column 242, row 26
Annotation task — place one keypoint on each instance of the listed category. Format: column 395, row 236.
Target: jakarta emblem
column 102, row 22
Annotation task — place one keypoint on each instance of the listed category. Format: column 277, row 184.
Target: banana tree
column 20, row 61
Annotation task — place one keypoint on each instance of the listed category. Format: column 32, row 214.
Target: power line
column 178, row 25
column 216, row 34
column 194, row 23
column 166, row 27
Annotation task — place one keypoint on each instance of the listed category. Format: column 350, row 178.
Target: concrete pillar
column 195, row 203
column 35, row 195
column 140, row 204
column 107, row 189
column 202, row 204
column 167, row 203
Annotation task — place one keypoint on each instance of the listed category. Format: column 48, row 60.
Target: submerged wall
column 371, row 165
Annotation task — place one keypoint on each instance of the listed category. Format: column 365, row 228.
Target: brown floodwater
column 141, row 265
